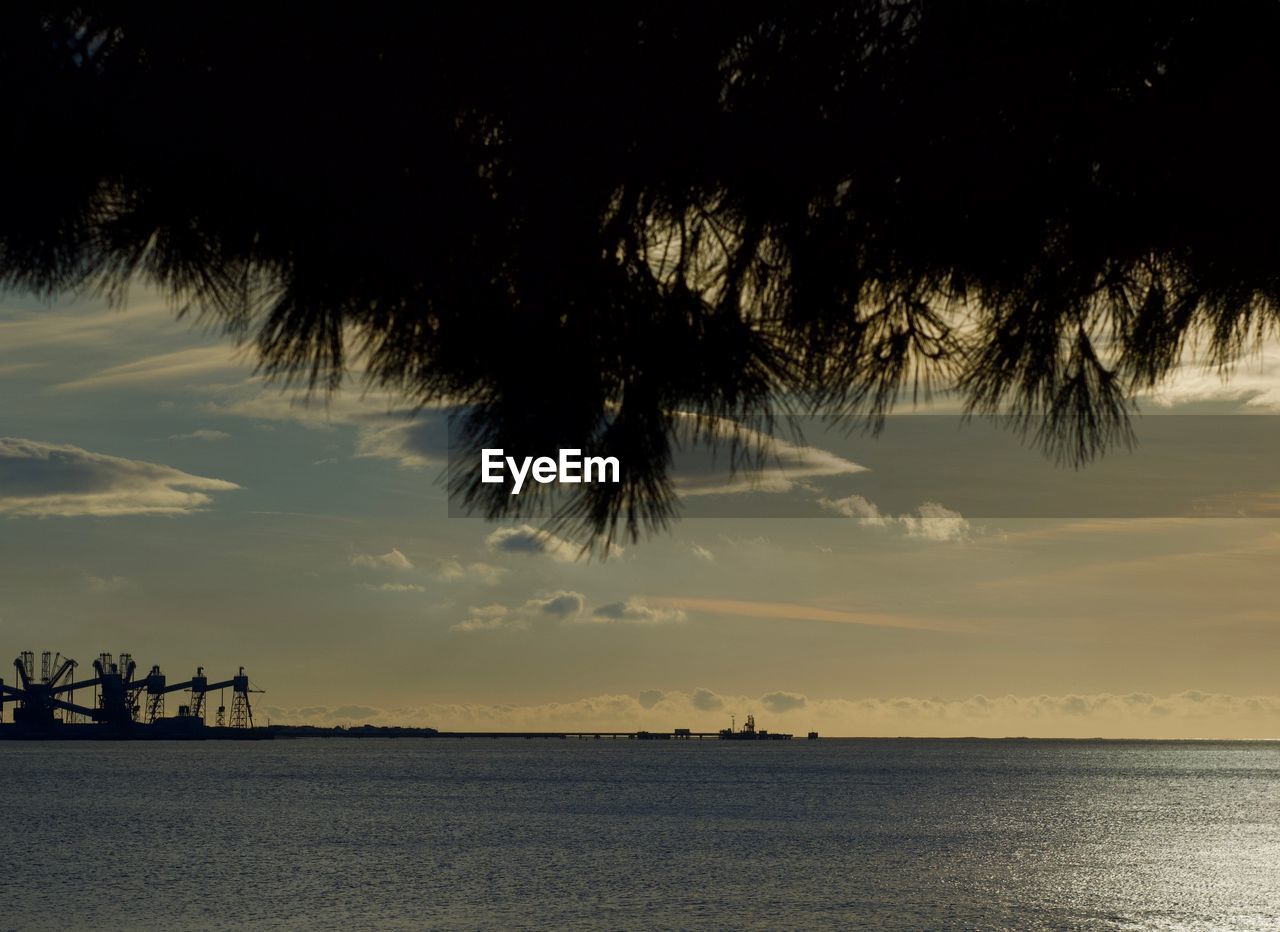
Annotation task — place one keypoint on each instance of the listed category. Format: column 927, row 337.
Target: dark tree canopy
column 583, row 225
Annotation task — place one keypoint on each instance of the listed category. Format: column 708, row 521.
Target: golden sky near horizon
column 157, row 497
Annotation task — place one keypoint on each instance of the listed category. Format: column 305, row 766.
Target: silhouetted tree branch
column 587, row 226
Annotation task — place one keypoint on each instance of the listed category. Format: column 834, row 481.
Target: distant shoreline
column 390, row 731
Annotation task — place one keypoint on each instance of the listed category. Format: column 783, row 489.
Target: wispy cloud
column 13, row 368
column 784, row 466
column 455, row 571
column 207, row 436
column 164, row 367
column 413, row 444
column 490, row 618
column 387, row 426
column 59, row 480
column 394, row 560
column 78, row 326
column 791, row 611
column 104, row 584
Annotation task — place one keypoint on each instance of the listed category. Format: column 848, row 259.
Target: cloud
column 702, row 553
column 490, row 618
column 759, row 544
column 77, row 327
column 934, row 522
column 452, row 571
column 792, row 611
column 558, row 606
column 561, row 605
column 705, row 700
column 650, row 697
column 208, row 436
column 636, row 611
column 353, row 712
column 855, row 506
column 1253, row 384
column 103, row 584
column 394, row 560
column 412, row 444
column 253, row 398
column 394, row 587
column 779, row 702
column 13, row 368
column 930, row 521
column 386, row 428
column 529, row 540
column 59, row 480
column 785, row 465
column 1191, row 713
column 178, row 365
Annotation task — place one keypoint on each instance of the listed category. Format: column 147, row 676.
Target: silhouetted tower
column 115, row 705
column 199, row 683
column 241, row 713
column 155, row 694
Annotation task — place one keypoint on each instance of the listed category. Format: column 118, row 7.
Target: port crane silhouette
column 119, row 694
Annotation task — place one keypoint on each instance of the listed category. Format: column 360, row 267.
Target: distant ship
column 749, row 733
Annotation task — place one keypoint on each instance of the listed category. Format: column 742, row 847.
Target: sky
column 159, row 498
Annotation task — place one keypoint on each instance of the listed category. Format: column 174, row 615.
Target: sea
column 365, row 833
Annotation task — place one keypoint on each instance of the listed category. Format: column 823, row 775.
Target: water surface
column 514, row 834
